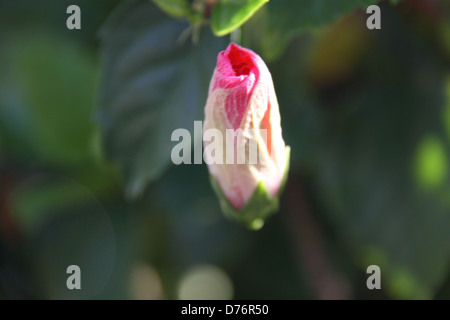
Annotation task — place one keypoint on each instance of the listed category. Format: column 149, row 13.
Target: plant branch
column 312, row 256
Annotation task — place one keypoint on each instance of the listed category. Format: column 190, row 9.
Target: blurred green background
column 85, row 174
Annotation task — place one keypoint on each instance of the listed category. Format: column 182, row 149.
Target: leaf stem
column 235, row 36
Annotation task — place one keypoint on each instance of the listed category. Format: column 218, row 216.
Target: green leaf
column 46, row 99
column 174, row 8
column 288, row 18
column 151, row 85
column 228, row 15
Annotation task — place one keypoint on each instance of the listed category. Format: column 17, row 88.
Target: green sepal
column 258, row 208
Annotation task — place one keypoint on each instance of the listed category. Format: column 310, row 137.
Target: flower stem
column 235, row 36
column 309, row 243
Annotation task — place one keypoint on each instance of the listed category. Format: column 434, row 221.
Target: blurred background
column 85, row 175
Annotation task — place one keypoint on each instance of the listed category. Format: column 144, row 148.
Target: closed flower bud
column 248, row 168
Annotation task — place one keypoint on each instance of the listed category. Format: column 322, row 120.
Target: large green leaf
column 228, row 15
column 288, row 18
column 152, row 83
column 46, row 98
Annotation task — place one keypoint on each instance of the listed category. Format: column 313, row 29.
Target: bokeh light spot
column 431, row 163
column 145, row 283
column 205, row 282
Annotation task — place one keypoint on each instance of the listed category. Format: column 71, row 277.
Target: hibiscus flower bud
column 250, row 170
